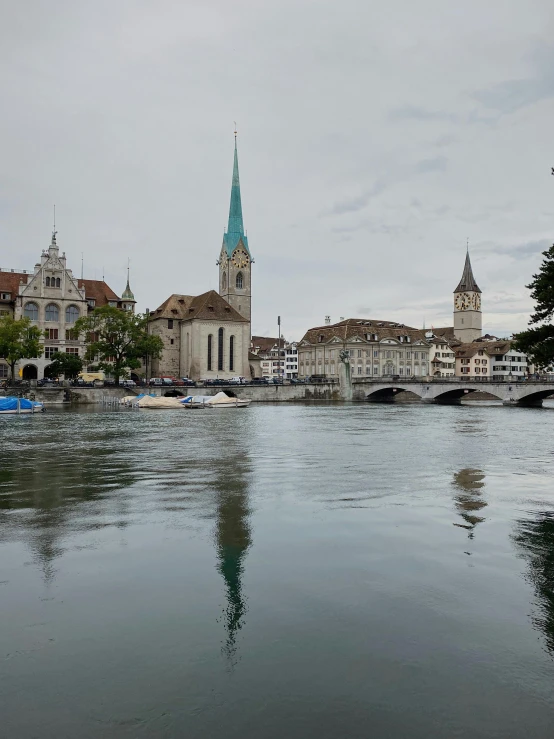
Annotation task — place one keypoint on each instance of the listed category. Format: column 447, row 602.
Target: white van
column 237, row 381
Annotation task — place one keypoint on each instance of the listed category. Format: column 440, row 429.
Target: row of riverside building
column 208, row 336
column 377, row 349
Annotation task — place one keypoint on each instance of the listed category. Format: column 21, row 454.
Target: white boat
column 11, row 405
column 219, row 400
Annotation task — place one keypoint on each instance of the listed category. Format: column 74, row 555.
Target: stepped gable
column 353, row 327
column 210, row 306
column 98, row 291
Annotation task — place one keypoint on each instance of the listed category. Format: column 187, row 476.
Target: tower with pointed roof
column 235, row 260
column 468, row 319
column 128, row 299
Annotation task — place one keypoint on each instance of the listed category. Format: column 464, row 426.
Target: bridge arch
column 532, row 397
column 457, row 393
column 389, row 392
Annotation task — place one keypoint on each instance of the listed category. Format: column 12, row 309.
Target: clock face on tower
column 463, row 301
column 240, row 258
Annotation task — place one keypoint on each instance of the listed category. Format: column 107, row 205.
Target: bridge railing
column 399, row 380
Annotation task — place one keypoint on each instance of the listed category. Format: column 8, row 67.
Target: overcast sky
column 374, row 139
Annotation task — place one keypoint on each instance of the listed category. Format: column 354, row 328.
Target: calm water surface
column 298, row 571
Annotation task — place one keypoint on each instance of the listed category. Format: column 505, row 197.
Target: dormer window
column 6, row 296
column 112, row 303
column 91, row 302
column 211, row 308
column 321, row 338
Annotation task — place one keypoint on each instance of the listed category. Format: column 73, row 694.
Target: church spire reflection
column 233, row 540
column 468, row 498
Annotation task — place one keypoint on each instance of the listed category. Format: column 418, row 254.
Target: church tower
column 468, row 319
column 235, row 260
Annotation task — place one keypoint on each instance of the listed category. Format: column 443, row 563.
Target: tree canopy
column 68, row 365
column 19, row 340
column 117, row 340
column 538, row 342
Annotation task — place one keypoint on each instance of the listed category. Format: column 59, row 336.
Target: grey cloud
column 417, row 113
column 437, row 164
column 355, row 204
column 511, row 95
column 519, row 251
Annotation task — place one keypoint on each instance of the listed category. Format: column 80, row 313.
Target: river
column 287, row 571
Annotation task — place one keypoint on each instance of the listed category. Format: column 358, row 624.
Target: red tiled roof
column 9, row 282
column 264, row 343
column 98, row 291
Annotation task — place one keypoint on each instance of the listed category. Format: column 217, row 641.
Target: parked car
column 128, row 383
column 156, row 381
column 188, row 382
column 260, row 381
column 237, row 381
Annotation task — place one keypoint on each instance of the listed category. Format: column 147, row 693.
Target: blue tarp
column 10, row 404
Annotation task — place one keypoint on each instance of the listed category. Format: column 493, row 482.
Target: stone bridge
column 529, row 393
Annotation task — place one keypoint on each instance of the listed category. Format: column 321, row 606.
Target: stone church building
column 208, row 336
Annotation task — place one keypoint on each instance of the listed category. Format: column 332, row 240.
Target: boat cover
column 10, row 404
column 150, row 402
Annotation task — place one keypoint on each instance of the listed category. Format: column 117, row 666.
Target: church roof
column 235, row 225
column 208, row 306
column 467, row 283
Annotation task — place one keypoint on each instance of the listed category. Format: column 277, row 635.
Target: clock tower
column 235, row 260
column 468, row 319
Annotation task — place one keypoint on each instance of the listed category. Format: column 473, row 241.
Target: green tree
column 119, row 339
column 18, row 340
column 68, row 365
column 538, row 342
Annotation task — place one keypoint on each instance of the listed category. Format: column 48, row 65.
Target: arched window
column 31, row 311
column 239, row 281
column 71, row 314
column 220, row 349
column 52, row 312
column 231, row 353
column 58, row 282
column 210, row 340
column 224, row 281
column 47, row 282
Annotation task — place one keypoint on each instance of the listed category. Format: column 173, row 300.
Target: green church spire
column 235, row 226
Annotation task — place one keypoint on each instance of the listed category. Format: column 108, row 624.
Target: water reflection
column 535, row 538
column 469, row 487
column 233, row 538
column 44, row 497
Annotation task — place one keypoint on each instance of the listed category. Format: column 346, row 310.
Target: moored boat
column 219, row 400
column 16, row 406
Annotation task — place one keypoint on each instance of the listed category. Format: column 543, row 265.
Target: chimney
column 327, row 320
